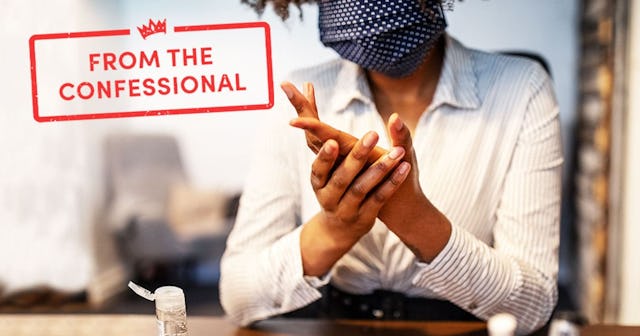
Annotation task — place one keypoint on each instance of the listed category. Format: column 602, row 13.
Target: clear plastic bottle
column 171, row 311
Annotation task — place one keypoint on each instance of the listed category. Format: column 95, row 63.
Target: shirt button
column 473, row 306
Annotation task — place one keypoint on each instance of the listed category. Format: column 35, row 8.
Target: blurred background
column 86, row 206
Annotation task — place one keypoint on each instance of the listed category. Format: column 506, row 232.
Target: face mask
column 391, row 37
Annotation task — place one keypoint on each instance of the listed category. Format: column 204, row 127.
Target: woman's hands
column 408, row 213
column 350, row 194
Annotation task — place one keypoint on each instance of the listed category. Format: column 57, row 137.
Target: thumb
column 399, row 133
column 305, row 104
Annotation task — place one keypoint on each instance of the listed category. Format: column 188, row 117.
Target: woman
column 459, row 218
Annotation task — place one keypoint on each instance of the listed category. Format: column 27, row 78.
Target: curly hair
column 281, row 7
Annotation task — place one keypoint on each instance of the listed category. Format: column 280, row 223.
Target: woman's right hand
column 350, row 193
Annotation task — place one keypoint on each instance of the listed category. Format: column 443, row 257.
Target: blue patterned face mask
column 391, row 37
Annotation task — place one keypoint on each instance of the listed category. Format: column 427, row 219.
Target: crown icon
column 153, row 28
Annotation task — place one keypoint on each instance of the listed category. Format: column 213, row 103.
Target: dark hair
column 281, row 7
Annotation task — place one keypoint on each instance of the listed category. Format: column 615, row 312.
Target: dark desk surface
column 124, row 325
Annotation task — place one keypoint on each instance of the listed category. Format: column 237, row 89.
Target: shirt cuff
column 317, row 282
column 465, row 274
column 446, row 269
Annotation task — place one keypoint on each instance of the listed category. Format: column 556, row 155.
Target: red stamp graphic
column 160, row 71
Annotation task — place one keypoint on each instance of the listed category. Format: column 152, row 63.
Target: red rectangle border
column 124, row 114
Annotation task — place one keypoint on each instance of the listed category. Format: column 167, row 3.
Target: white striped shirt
column 489, row 154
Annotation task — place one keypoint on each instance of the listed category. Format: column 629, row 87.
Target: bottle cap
column 166, row 297
column 169, row 298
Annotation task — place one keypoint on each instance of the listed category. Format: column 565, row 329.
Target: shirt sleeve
column 518, row 274
column 261, row 269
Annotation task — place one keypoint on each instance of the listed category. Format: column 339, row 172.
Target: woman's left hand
column 409, row 213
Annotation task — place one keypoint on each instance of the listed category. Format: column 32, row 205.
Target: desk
column 140, row 325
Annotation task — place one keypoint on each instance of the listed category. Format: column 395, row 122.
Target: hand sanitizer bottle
column 171, row 311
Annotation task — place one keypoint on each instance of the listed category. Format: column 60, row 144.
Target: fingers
column 314, row 127
column 350, row 192
column 310, row 94
column 383, row 192
column 322, row 165
column 324, row 132
column 343, row 176
column 369, row 179
column 304, row 106
column 399, row 132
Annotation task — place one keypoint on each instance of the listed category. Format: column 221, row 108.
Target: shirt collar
column 457, row 85
column 458, row 81
column 351, row 85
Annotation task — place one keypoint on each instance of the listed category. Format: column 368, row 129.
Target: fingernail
column 328, row 148
column 399, row 124
column 287, row 90
column 396, row 153
column 403, row 168
column 369, row 139
column 293, row 122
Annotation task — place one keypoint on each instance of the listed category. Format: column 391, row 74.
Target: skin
column 356, row 183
